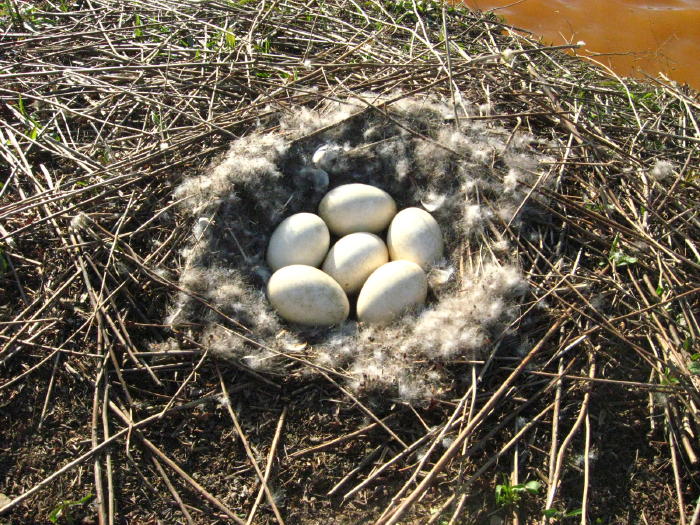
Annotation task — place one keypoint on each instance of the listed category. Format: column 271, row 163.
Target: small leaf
column 550, row 513
column 84, row 499
column 619, row 258
column 668, row 378
column 499, row 493
column 55, row 514
column 572, row 513
column 533, row 487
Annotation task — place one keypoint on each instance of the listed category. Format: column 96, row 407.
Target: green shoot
column 138, row 29
column 617, row 257
column 63, row 510
column 667, row 378
column 508, row 495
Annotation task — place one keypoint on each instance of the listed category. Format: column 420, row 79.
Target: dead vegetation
column 106, row 106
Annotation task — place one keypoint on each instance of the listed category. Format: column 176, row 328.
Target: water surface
column 631, row 36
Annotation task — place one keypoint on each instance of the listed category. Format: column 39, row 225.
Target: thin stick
column 87, row 455
column 268, row 466
column 174, row 466
column 586, row 470
column 554, row 481
column 248, row 451
column 172, row 490
column 336, row 441
column 672, row 444
column 395, row 516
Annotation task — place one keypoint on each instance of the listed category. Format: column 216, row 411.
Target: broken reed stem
column 559, row 461
column 173, row 491
column 673, row 445
column 268, row 466
column 586, row 467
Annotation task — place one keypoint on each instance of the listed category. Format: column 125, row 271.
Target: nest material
column 468, row 175
column 107, row 106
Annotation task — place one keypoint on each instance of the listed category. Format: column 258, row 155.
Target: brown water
column 634, row 36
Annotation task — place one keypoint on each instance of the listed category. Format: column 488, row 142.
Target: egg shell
column 357, row 208
column 414, row 235
column 392, row 289
column 305, row 295
column 353, row 258
column 302, row 238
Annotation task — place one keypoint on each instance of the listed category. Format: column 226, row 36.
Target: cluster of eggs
column 390, row 277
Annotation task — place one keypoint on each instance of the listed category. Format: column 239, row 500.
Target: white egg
column 357, row 208
column 391, row 290
column 353, row 258
column 305, row 295
column 302, row 238
column 415, row 236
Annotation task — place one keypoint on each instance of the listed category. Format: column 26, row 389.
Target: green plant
column 667, row 378
column 230, row 39
column 264, row 46
column 63, row 510
column 138, row 26
column 617, row 257
column 694, row 365
column 32, row 123
column 9, row 9
column 508, row 495
column 660, row 290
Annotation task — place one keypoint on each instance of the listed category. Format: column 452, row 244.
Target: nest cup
column 472, row 177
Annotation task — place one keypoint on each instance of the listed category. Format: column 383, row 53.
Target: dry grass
column 106, row 105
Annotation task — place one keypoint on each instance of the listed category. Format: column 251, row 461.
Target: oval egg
column 305, row 295
column 357, row 208
column 414, row 235
column 353, row 258
column 392, row 289
column 302, row 238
